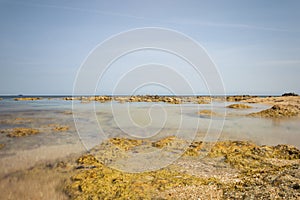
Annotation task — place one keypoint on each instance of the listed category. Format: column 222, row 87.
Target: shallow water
column 95, row 122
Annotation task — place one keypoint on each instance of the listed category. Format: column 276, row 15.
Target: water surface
column 95, row 122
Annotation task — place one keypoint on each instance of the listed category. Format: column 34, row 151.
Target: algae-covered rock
column 20, row 132
column 17, row 120
column 102, row 182
column 86, row 99
column 193, row 149
column 202, row 102
column 207, row 113
column 274, row 168
column 239, row 98
column 167, row 141
column 239, row 106
column 61, row 128
column 247, row 155
column 278, row 111
column 125, row 143
column 58, row 127
column 28, row 98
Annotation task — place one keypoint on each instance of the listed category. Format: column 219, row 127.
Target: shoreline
column 233, row 168
column 223, row 173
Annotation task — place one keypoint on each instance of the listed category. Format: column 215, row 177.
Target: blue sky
column 255, row 44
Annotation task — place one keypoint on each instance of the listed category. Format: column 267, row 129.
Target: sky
column 255, row 45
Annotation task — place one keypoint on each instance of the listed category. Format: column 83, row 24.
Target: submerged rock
column 207, row 113
column 239, row 106
column 20, row 132
column 58, row 127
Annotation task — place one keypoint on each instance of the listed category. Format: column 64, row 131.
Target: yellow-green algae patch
column 20, row 132
column 94, row 180
column 248, row 156
column 28, row 98
column 125, row 144
column 97, row 181
column 58, row 127
column 274, row 168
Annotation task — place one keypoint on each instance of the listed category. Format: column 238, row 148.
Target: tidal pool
column 95, row 122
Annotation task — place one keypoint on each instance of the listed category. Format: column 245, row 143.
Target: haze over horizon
column 255, row 45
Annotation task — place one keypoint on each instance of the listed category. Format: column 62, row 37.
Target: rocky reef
column 83, row 99
column 239, row 98
column 262, row 172
column 28, row 98
column 147, row 98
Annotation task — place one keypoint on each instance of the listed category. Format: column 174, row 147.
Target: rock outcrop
column 278, row 111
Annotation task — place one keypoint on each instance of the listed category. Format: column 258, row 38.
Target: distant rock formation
column 289, row 94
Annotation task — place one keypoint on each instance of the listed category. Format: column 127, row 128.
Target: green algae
column 21, row 132
column 125, row 143
column 101, row 182
column 275, row 168
column 247, row 155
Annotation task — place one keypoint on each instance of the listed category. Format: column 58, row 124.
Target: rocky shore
column 147, row 98
column 284, row 106
column 229, row 170
column 232, row 169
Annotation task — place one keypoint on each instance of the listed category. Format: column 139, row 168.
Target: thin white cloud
column 180, row 21
column 77, row 9
column 280, row 63
column 229, row 25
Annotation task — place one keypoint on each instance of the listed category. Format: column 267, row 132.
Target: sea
column 91, row 123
